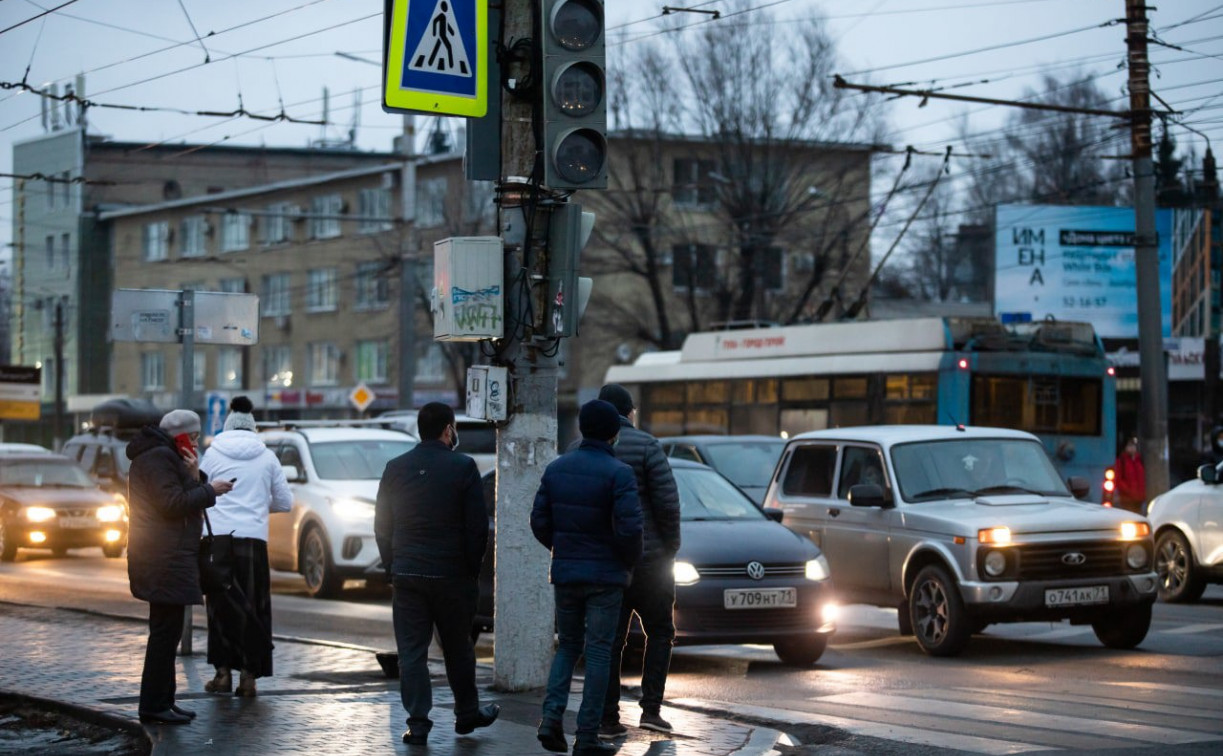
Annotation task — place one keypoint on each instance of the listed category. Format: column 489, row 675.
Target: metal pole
column 407, row 328
column 1153, row 423
column 527, row 443
column 58, row 431
column 186, row 335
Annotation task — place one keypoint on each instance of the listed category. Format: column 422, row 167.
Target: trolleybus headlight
column 995, row 563
column 1136, row 556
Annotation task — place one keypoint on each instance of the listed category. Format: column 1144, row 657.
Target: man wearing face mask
column 432, row 528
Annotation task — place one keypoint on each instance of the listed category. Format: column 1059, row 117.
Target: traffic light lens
column 578, row 89
column 580, row 155
column 577, row 24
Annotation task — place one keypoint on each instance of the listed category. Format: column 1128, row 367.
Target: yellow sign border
column 395, row 97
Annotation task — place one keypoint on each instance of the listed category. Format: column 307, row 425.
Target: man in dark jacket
column 587, row 513
column 166, row 497
column 652, row 593
column 432, row 529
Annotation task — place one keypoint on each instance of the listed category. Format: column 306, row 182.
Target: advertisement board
column 1075, row 263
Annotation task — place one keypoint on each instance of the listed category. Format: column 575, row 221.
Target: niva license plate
column 1092, row 594
column 759, row 598
column 78, row 522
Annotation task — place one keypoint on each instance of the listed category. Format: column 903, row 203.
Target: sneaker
column 611, row 730
column 650, row 720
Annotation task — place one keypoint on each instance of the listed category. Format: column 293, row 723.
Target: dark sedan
column 747, row 461
column 48, row 502
column 741, row 577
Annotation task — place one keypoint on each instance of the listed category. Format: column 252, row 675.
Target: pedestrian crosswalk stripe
column 1189, row 690
column 1062, row 632
column 1011, row 716
column 1128, row 702
column 1192, row 629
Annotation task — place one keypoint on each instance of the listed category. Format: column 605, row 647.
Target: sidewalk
column 322, row 700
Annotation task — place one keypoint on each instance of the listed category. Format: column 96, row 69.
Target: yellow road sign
column 436, row 57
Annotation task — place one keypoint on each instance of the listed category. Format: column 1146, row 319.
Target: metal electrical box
column 468, row 297
column 487, row 392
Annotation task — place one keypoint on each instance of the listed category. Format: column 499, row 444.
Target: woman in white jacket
column 237, row 637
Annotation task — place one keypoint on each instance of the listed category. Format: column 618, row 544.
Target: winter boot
column 222, row 683
column 246, row 685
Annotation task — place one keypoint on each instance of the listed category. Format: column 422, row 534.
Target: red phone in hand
column 184, row 444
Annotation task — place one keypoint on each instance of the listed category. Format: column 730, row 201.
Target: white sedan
column 1188, row 524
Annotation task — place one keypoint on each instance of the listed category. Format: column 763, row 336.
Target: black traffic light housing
column 574, row 84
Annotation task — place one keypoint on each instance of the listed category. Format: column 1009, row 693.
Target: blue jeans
column 585, row 614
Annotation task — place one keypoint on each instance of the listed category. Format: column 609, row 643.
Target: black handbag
column 216, row 561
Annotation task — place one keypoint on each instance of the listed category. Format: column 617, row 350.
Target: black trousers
column 651, row 596
column 419, row 604
column 157, row 681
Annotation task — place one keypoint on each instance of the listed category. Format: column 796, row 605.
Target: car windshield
column 39, row 474
column 747, row 463
column 706, row 495
column 363, row 459
column 935, row 470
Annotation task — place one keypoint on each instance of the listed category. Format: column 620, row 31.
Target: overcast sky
column 142, row 52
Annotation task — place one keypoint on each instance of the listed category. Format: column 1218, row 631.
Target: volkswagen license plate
column 759, row 598
column 1091, row 594
column 78, row 522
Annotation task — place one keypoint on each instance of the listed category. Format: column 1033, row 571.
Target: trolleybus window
column 1064, row 405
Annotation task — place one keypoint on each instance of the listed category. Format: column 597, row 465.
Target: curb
column 86, row 714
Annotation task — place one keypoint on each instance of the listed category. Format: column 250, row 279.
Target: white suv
column 334, row 472
column 477, row 438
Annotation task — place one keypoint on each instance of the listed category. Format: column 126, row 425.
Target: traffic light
column 568, row 231
column 575, row 95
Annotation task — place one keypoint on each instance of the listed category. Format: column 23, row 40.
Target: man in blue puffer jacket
column 588, row 514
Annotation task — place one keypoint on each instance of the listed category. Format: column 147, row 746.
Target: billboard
column 1075, row 263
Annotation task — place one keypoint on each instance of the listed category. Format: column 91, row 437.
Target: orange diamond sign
column 361, row 397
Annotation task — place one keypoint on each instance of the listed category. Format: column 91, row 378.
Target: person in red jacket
column 1131, row 478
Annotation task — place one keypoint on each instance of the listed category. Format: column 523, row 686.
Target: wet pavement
column 323, row 699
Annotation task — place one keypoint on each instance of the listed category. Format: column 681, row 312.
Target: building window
column 694, row 186
column 431, row 367
column 229, row 368
column 372, row 292
column 65, row 250
column 325, row 212
column 275, row 297
column 278, row 223
column 235, row 232
column 152, row 371
column 431, row 202
column 278, row 366
column 321, row 290
column 193, row 231
column 48, row 377
column 324, row 364
column 156, row 241
column 65, row 188
column 371, row 361
column 694, row 265
column 374, row 207
column 199, row 368
column 233, row 285
column 50, row 251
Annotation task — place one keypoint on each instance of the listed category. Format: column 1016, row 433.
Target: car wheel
column 940, row 623
column 903, row 620
column 1179, row 580
column 316, row 566
column 1124, row 629
column 113, row 550
column 8, row 546
column 801, row 652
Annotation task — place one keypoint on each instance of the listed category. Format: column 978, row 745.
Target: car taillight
column 1110, row 486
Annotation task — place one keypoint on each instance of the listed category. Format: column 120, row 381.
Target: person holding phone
column 240, row 637
column 167, row 496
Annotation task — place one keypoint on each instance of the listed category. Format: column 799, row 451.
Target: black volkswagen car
column 740, row 576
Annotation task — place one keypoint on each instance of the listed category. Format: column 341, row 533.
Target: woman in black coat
column 166, row 498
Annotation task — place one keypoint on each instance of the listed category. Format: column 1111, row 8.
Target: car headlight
column 999, row 535
column 1136, row 556
column 1132, row 530
column 110, row 513
column 995, row 563
column 39, row 514
column 817, row 569
column 685, row 573
column 353, row 509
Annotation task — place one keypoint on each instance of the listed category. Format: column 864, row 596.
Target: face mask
column 615, row 442
column 454, row 438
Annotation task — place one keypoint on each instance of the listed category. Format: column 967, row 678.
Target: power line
column 36, row 17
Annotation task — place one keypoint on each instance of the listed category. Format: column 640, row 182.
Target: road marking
column 349, row 609
column 1189, row 690
column 1034, row 719
column 1065, row 632
column 1189, row 629
column 1128, row 703
column 915, row 735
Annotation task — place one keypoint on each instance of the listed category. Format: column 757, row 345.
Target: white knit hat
column 240, row 417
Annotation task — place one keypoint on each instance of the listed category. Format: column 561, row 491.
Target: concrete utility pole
column 523, row 598
column 186, row 335
column 1153, row 414
column 57, row 432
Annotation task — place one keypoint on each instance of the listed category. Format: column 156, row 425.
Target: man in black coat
column 166, row 497
column 652, row 593
column 432, row 529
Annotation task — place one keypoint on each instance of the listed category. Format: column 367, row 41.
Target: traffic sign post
column 435, row 57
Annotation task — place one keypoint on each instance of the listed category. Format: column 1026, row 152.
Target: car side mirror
column 1208, row 475
column 775, row 514
column 1080, row 487
column 293, row 473
column 867, row 495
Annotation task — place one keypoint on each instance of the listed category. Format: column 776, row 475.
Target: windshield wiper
column 945, row 493
column 1007, row 489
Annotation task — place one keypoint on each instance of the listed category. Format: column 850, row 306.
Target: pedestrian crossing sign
column 435, row 57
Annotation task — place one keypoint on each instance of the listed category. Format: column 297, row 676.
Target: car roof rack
column 339, row 423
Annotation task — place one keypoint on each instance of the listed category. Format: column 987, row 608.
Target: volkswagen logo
column 1074, row 558
column 755, row 570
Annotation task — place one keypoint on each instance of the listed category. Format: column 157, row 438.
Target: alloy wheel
column 931, row 611
column 1172, row 565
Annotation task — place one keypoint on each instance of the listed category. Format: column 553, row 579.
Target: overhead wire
column 19, row 24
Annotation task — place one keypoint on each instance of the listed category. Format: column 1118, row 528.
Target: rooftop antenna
column 322, row 138
column 356, row 118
